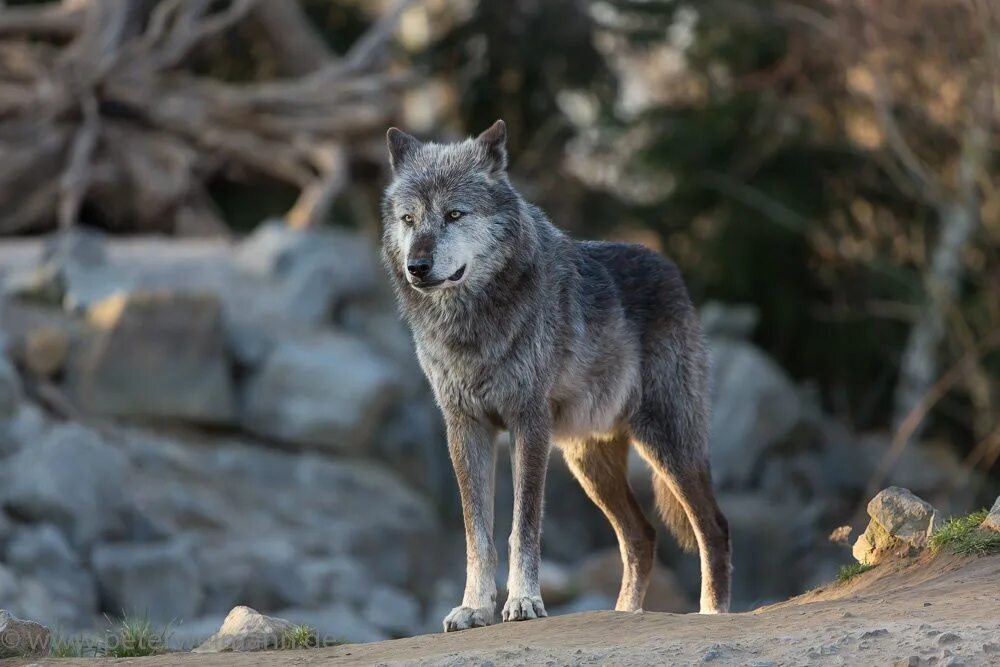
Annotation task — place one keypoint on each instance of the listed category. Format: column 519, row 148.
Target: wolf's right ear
column 401, row 146
column 495, row 140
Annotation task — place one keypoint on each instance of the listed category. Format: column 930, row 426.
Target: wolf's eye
column 407, row 219
column 455, row 215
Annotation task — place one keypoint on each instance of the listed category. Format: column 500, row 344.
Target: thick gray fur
column 593, row 347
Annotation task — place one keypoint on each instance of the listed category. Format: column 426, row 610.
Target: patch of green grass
column 848, row 572
column 133, row 638
column 963, row 535
column 301, row 636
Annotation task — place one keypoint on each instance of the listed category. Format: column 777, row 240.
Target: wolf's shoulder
column 647, row 281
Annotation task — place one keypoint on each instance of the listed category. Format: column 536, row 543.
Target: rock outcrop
column 156, row 355
column 900, row 523
column 69, row 477
column 155, row 580
column 330, row 391
column 189, row 425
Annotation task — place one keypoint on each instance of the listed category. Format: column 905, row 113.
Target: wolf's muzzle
column 419, row 267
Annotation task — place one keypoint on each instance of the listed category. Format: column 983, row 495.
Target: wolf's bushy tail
column 673, row 514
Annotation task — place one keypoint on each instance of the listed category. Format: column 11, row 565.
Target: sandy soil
column 942, row 611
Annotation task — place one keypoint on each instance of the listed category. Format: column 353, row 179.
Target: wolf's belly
column 594, row 402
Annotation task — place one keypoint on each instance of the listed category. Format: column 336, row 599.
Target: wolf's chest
column 479, row 382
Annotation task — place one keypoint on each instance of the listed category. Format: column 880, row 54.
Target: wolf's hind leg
column 601, row 467
column 684, row 478
column 473, row 456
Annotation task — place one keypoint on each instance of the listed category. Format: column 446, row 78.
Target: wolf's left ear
column 495, row 141
column 401, row 146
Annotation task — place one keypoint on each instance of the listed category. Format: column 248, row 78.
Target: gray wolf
column 593, row 347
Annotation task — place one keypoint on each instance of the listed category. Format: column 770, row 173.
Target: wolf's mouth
column 431, row 284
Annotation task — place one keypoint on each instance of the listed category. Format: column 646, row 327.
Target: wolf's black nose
column 420, row 267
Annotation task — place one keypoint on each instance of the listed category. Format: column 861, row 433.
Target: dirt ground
column 940, row 611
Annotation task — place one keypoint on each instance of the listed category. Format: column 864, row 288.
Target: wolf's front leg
column 530, row 458
column 473, row 456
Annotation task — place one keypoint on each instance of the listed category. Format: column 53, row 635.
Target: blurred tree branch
column 137, row 134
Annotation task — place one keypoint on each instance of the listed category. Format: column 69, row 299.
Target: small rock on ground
column 992, row 521
column 246, row 629
column 20, row 639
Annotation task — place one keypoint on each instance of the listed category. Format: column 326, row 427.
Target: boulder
column 992, row 520
column 156, row 355
column 68, row 477
column 755, row 406
column 155, row 580
column 275, row 250
column 330, row 391
column 246, row 629
column 900, row 521
column 306, row 274
column 55, row 588
column 336, row 579
column 411, row 439
column 22, row 639
column 281, row 528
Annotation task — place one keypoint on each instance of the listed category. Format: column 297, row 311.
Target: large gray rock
column 283, row 529
column 899, row 521
column 69, row 477
column 54, row 586
column 156, row 355
column 755, row 407
column 22, row 639
column 329, row 391
column 412, row 441
column 158, row 580
column 246, row 629
column 307, row 274
column 275, row 250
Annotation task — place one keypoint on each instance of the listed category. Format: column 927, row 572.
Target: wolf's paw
column 463, row 618
column 523, row 609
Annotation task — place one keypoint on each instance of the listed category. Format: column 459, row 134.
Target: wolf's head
column 450, row 212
